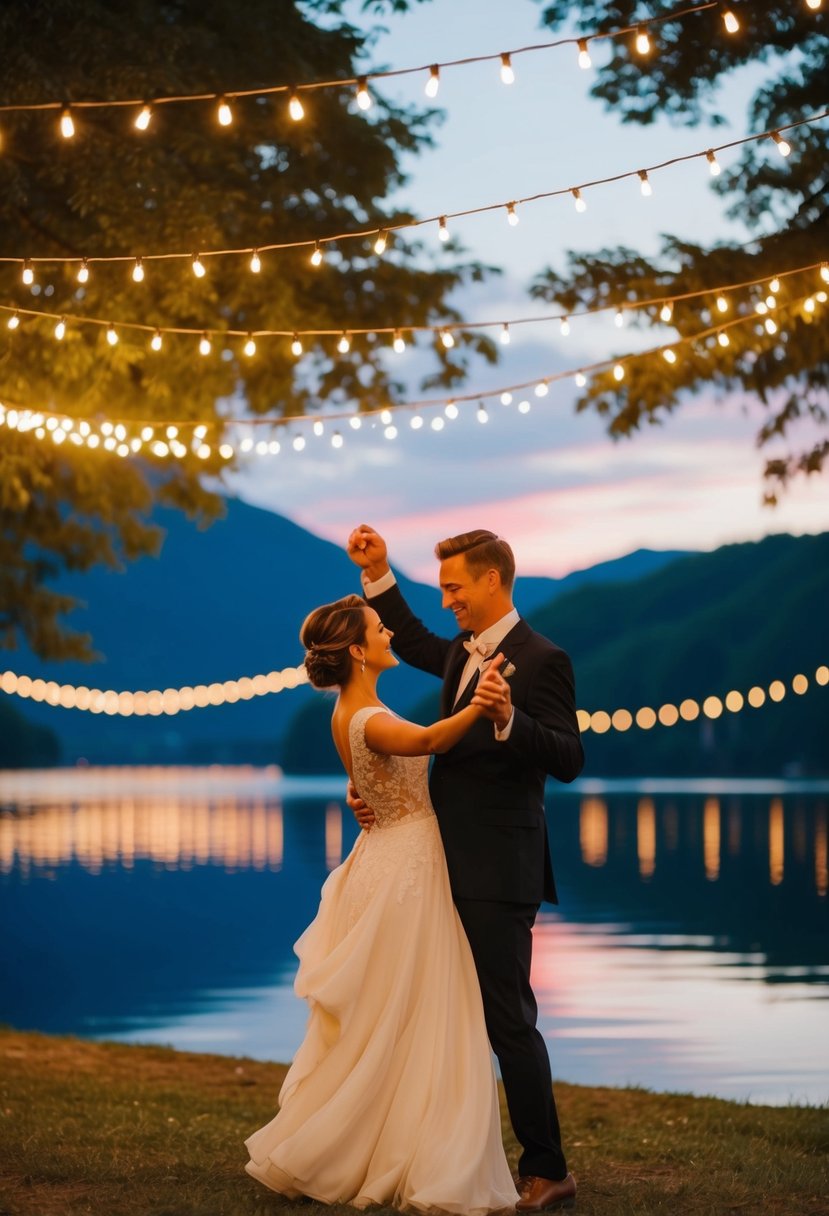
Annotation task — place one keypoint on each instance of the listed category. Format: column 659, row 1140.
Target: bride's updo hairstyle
column 326, row 634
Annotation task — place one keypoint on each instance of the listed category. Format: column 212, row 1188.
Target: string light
column 336, row 440
column 398, row 343
column 380, row 243
column 565, row 327
column 60, row 329
column 722, row 304
column 580, row 204
column 814, row 5
column 585, row 61
column 581, row 380
column 619, row 372
column 197, row 265
column 14, row 321
column 723, row 338
column 713, row 164
column 512, row 215
column 643, row 42
column 433, row 83
column 67, row 125
column 344, row 344
column 783, row 145
column 295, row 107
column 224, row 112
column 250, row 346
column 156, row 342
column 666, row 312
column 316, row 256
column 774, row 286
column 669, row 355
column 451, row 411
column 646, row 188
column 83, row 272
column 771, row 325
column 28, row 275
column 443, row 231
column 255, row 262
column 416, row 422
column 143, row 118
column 730, row 21
column 138, row 271
column 447, row 338
column 619, row 318
column 205, row 345
column 363, row 95
column 541, row 389
column 507, row 73
column 319, row 429
column 296, row 346
column 505, row 335
column 112, row 336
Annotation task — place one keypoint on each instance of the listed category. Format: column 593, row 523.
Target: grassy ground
column 120, row 1131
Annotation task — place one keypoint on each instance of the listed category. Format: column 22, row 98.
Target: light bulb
column 143, row 118
column 112, row 336
column 771, row 325
column 814, row 5
column 296, row 346
column 363, row 95
column 138, row 271
column 250, row 347
column 507, row 74
column 669, row 355
column 433, row 83
column 506, row 398
column 666, row 312
column 437, row 424
column 28, row 273
column 581, row 380
column 565, row 327
column 316, row 256
column 824, row 272
column 415, row 422
column 730, row 21
column 643, row 42
column 14, row 321
column 618, row 372
column 541, row 389
column 723, row 339
column 809, row 305
column 224, row 113
column 60, row 329
column 198, row 266
column 512, row 216
column 524, row 407
column 713, row 164
column 336, row 440
column 443, row 231
column 783, row 145
column 619, row 319
column 447, row 338
column 722, row 304
column 585, row 61
column 505, row 334
column 647, row 189
column 380, row 243
column 205, row 346
column 319, row 428
column 67, row 125
column 398, row 344
column 483, row 416
column 581, row 205
column 385, row 417
column 451, row 410
column 295, row 107
column 355, row 422
column 390, row 432
column 83, row 272
column 255, row 262
column 172, row 432
column 771, row 301
column 774, row 286
column 156, row 342
column 344, row 344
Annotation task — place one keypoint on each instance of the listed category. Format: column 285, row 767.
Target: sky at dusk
column 563, row 493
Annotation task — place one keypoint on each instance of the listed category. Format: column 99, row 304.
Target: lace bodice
column 395, row 787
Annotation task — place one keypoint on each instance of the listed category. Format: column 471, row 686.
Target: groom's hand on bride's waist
column 362, row 813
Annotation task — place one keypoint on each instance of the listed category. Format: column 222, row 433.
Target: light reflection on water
column 690, row 950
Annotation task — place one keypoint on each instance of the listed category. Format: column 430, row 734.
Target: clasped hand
column 492, row 694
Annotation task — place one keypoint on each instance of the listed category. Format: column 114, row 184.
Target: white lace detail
column 397, row 790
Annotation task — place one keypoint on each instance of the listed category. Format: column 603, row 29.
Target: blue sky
column 564, row 494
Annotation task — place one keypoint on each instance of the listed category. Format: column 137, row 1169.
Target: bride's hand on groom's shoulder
column 367, row 549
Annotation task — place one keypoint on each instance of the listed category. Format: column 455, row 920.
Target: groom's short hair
column 483, row 551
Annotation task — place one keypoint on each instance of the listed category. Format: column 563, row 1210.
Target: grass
column 119, row 1130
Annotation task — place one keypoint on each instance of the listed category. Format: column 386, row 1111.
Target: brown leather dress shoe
column 545, row 1194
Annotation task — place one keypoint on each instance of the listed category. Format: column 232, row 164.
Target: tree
column 788, row 371
column 186, row 183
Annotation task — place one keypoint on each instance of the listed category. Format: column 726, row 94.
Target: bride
column 391, row 1098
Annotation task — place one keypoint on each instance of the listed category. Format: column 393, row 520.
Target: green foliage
column 789, row 374
column 185, row 184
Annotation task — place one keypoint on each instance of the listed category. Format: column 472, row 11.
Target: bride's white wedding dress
column 391, row 1098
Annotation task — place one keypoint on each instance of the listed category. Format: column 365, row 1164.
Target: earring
column 363, row 667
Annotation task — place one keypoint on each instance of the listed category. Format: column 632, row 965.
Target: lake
column 690, row 950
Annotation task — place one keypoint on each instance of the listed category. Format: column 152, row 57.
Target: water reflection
column 158, row 913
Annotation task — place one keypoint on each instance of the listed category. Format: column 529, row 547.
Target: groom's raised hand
column 367, row 549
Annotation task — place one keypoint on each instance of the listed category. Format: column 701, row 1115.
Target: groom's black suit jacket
column 489, row 795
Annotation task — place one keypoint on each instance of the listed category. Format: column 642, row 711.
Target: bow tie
column 484, row 649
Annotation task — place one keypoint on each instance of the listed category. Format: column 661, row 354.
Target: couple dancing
column 391, row 1098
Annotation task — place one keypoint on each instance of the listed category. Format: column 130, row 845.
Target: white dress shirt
column 493, row 636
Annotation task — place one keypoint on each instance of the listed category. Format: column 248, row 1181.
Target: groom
column 488, row 794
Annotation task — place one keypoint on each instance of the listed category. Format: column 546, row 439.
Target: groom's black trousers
column 500, row 935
